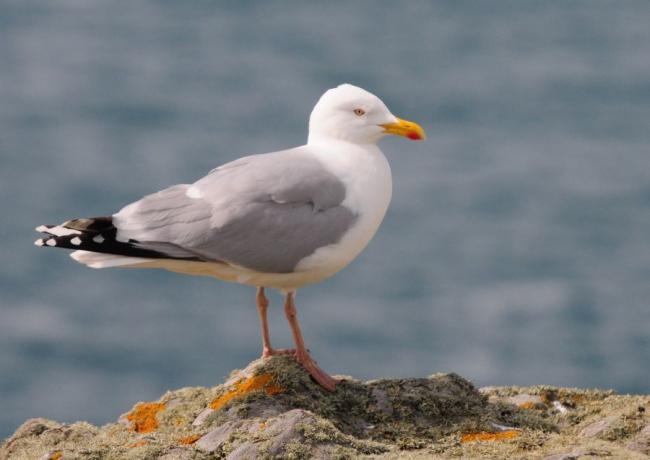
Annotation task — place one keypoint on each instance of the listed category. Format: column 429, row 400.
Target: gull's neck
column 335, row 146
column 350, row 159
column 344, row 152
column 318, row 137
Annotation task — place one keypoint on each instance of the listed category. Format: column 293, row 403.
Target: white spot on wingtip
column 76, row 241
column 51, row 242
column 39, row 242
column 41, row 228
column 98, row 239
column 194, row 192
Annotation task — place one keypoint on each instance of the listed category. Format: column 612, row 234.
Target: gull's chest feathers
column 368, row 188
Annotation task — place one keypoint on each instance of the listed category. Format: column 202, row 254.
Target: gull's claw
column 323, row 378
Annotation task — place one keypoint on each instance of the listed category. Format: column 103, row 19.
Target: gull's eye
column 359, row 112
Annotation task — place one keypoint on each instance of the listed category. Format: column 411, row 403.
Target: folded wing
column 263, row 212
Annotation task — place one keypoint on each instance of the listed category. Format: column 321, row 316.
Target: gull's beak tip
column 405, row 128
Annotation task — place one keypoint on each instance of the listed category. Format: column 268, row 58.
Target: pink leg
column 302, row 354
column 262, row 306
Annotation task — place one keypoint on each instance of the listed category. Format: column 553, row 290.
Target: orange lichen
column 56, row 455
column 528, row 405
column 143, row 417
column 578, row 399
column 486, row 436
column 140, row 443
column 245, row 386
column 189, row 440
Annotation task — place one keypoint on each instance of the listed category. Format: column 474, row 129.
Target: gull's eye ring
column 359, row 112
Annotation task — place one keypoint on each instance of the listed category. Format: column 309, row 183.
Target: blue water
column 516, row 249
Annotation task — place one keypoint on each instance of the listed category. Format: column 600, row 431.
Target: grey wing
column 263, row 212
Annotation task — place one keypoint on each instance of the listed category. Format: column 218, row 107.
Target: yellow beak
column 405, row 128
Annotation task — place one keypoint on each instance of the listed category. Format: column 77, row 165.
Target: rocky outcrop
column 272, row 409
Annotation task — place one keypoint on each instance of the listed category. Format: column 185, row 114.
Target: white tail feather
column 101, row 260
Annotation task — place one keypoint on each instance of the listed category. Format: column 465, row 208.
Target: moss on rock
column 272, row 409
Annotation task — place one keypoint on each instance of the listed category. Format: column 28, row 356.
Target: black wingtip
column 96, row 234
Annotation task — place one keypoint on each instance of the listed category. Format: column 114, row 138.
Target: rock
column 597, row 428
column 34, row 427
column 382, row 402
column 574, row 455
column 202, row 417
column 272, row 409
column 245, row 451
column 216, row 438
column 641, row 442
column 177, row 454
column 286, row 429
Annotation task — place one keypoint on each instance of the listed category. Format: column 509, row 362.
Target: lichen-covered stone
column 272, row 409
column 598, row 427
column 641, row 442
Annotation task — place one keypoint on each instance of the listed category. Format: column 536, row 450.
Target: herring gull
column 275, row 220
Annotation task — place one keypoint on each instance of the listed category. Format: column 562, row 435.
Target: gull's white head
column 353, row 114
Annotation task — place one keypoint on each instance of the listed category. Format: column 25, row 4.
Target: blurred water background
column 515, row 251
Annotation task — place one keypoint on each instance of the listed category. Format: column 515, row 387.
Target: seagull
column 278, row 220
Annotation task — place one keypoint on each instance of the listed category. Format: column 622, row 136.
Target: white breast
column 367, row 177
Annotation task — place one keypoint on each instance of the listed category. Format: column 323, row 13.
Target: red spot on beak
column 413, row 136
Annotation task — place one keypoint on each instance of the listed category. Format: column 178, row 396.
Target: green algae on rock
column 272, row 409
